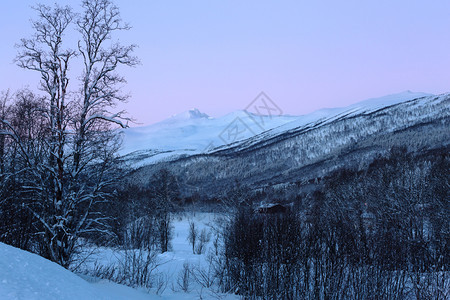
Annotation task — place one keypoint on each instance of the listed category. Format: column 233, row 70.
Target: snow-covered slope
column 328, row 115
column 24, row 275
column 193, row 132
column 366, row 106
column 188, row 133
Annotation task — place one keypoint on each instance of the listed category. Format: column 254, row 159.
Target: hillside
column 314, row 145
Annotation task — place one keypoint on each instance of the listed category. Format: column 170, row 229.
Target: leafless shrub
column 183, row 279
column 161, row 281
column 141, row 233
column 104, row 272
column 205, row 276
column 203, row 240
column 193, row 234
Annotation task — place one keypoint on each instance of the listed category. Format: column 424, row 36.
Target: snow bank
column 24, row 275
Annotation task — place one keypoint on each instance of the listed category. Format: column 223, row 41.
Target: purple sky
column 218, row 55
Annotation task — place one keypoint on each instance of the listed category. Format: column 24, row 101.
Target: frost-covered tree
column 74, row 172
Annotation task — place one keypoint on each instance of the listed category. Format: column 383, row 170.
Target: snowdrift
column 25, row 275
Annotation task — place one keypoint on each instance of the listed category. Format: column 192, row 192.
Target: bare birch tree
column 75, row 175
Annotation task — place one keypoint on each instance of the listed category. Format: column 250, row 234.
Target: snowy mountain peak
column 191, row 115
column 197, row 114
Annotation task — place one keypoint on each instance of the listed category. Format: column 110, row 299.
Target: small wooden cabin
column 274, row 208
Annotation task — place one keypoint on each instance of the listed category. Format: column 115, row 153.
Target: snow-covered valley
column 112, row 188
column 286, row 163
column 24, row 275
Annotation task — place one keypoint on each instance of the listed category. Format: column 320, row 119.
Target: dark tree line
column 22, row 111
column 381, row 233
column 142, row 217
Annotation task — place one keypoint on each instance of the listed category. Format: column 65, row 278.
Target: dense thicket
column 378, row 234
column 142, row 217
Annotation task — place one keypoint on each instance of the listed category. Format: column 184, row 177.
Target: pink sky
column 218, row 55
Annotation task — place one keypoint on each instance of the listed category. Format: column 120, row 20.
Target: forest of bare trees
column 383, row 232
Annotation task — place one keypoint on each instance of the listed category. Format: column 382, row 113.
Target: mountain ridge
column 301, row 153
column 193, row 132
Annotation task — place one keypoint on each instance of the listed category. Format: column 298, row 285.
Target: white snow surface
column 194, row 132
column 25, row 275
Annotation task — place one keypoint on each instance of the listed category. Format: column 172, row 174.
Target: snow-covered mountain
column 193, row 132
column 313, row 145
